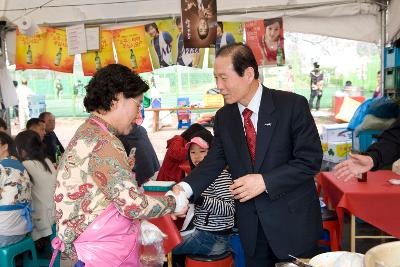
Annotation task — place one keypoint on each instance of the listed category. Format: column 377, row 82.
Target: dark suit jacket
column 288, row 155
column 51, row 142
column 387, row 150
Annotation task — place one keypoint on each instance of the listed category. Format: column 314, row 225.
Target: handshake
column 181, row 200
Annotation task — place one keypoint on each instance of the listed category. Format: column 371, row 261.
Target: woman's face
column 4, row 150
column 197, row 153
column 125, row 112
column 272, row 32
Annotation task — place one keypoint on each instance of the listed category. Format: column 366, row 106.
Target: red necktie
column 250, row 133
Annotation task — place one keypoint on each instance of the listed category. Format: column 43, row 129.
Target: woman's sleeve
column 110, row 170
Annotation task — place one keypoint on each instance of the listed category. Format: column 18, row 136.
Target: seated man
column 37, row 125
column 50, row 138
column 146, row 161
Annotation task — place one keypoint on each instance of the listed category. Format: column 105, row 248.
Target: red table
column 376, row 201
column 167, row 226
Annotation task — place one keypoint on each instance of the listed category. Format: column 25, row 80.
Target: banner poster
column 56, row 56
column 131, row 48
column 199, row 20
column 190, row 57
column 92, row 61
column 265, row 38
column 161, row 39
column 29, row 50
column 227, row 33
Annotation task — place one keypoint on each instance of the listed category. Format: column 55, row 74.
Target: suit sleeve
column 387, row 149
column 212, row 165
column 306, row 158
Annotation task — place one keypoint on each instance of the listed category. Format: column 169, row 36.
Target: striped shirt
column 217, row 210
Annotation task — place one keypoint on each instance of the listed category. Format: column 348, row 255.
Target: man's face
column 233, row 87
column 152, row 32
column 50, row 122
column 40, row 128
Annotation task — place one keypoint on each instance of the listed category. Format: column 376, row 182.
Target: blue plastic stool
column 8, row 253
column 44, row 261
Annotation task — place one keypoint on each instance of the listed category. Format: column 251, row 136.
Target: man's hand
column 355, row 165
column 248, row 187
column 178, row 190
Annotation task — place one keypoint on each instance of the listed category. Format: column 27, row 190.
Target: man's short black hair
column 178, row 21
column 147, row 27
column 33, row 122
column 43, row 115
column 109, row 81
column 242, row 58
column 221, row 25
column 3, row 124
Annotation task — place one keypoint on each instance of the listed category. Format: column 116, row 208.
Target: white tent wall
column 393, row 23
column 350, row 19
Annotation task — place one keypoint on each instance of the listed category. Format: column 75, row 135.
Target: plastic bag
column 152, row 249
column 359, row 115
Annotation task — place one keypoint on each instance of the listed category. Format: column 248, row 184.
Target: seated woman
column 43, row 175
column 15, row 195
column 213, row 212
column 176, row 155
column 98, row 203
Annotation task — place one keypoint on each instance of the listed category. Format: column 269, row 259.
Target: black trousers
column 265, row 257
column 315, row 93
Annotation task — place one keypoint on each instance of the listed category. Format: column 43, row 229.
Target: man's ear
column 249, row 74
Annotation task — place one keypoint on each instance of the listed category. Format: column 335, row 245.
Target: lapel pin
column 267, row 124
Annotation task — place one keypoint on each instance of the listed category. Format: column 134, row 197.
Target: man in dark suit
column 269, row 140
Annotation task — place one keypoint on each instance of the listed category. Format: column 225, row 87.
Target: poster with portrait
column 199, row 21
column 132, row 49
column 265, row 38
column 190, row 57
column 161, row 40
column 29, row 50
column 56, row 56
column 227, row 33
column 92, row 61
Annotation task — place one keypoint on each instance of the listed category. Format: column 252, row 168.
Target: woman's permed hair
column 108, row 82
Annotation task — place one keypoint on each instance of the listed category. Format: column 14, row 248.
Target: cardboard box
column 336, row 133
column 336, row 151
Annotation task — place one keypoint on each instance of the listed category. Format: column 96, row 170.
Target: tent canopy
column 349, row 19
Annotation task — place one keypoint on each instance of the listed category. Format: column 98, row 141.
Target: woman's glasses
column 139, row 105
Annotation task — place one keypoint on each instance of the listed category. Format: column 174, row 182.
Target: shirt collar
column 255, row 102
column 109, row 127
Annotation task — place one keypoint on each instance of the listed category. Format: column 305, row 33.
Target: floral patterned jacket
column 93, row 172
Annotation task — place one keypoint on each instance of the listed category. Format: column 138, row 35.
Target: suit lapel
column 239, row 138
column 265, row 127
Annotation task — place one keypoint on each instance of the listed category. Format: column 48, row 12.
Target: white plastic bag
column 152, row 249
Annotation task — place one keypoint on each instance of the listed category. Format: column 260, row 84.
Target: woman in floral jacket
column 95, row 172
column 15, row 195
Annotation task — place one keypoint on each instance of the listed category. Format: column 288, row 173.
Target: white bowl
column 384, row 255
column 330, row 259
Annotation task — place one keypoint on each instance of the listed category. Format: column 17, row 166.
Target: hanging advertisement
column 94, row 60
column 265, row 38
column 199, row 20
column 131, row 48
column 161, row 40
column 29, row 50
column 56, row 52
column 190, row 57
column 227, row 33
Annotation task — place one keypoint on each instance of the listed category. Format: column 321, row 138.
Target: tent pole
column 383, row 43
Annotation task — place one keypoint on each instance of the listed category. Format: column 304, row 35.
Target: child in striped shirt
column 213, row 212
